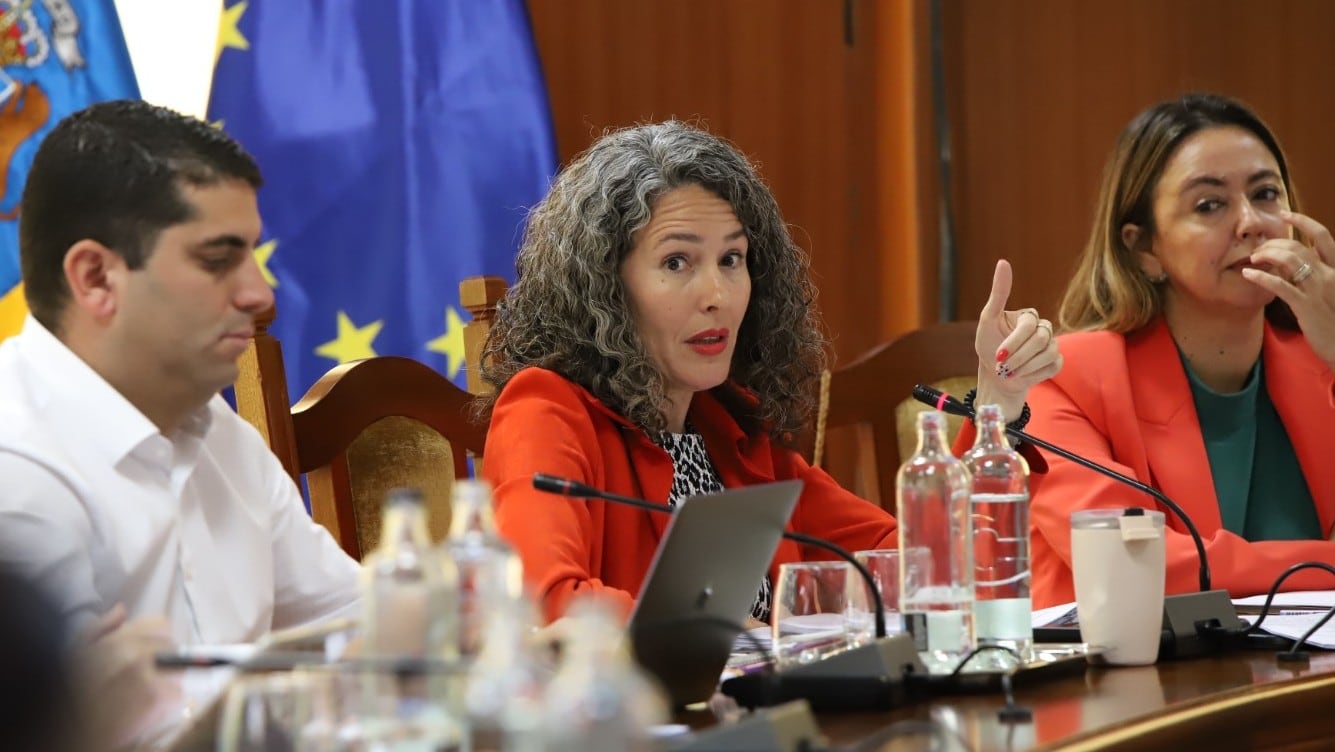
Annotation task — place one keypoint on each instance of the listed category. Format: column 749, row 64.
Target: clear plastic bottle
column 490, row 572
column 599, row 700
column 409, row 593
column 1000, row 507
column 932, row 490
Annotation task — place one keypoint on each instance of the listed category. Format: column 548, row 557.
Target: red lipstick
column 710, row 342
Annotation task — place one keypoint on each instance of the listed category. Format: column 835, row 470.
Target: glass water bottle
column 489, row 570
column 409, row 593
column 999, row 501
column 936, row 597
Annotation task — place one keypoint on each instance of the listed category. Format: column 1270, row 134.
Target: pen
column 260, row 662
column 288, row 661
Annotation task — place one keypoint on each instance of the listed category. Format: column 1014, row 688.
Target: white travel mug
column 1117, row 560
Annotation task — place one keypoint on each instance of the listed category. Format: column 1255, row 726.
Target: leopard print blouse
column 693, row 474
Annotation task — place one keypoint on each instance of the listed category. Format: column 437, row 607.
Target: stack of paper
column 1290, row 615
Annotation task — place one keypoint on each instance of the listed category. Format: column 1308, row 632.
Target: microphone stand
column 866, row 677
column 1194, row 623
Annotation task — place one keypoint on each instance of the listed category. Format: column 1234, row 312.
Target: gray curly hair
column 568, row 311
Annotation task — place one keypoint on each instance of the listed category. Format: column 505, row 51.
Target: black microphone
column 867, row 677
column 1189, row 618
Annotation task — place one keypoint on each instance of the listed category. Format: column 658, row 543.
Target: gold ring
column 1303, row 273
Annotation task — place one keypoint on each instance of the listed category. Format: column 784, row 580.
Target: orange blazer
column 1124, row 401
column 543, row 423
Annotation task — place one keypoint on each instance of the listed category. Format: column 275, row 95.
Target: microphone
column 1193, row 622
column 866, row 677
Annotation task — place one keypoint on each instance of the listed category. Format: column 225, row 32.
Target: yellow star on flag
column 353, row 342
column 229, row 31
column 13, row 309
column 451, row 343
column 262, row 255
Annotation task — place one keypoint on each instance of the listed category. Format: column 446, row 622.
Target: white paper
column 1045, row 616
column 754, row 640
column 1293, row 625
column 1314, row 598
column 1281, row 621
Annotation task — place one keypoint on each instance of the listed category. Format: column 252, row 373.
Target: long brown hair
column 568, row 310
column 1109, row 291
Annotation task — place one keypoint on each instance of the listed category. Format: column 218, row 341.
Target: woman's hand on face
column 1303, row 277
column 1016, row 349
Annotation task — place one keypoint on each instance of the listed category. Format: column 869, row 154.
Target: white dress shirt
column 203, row 527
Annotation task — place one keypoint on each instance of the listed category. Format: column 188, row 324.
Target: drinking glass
column 809, row 616
column 267, row 713
column 379, row 705
column 883, row 565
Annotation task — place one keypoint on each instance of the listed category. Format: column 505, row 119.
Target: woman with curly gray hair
column 661, row 341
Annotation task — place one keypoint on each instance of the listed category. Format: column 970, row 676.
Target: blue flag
column 56, row 57
column 402, row 143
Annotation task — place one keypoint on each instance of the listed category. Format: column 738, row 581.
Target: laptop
column 703, row 582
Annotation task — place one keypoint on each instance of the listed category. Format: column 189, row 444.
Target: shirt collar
column 74, row 395
column 705, row 413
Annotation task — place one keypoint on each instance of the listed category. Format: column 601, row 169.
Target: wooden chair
column 871, row 397
column 372, row 425
column 368, row 426
column 479, row 295
column 261, row 393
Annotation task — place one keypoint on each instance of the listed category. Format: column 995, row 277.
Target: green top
column 1260, row 485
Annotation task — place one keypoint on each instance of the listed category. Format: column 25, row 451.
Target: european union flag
column 56, row 57
column 402, row 142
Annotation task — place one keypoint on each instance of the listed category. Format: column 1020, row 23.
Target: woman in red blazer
column 661, row 340
column 1199, row 359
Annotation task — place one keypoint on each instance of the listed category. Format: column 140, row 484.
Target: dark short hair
column 113, row 173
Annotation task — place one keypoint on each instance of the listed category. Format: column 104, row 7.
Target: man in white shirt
column 124, row 477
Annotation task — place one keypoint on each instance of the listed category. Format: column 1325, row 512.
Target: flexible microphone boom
column 866, row 677
column 1193, row 622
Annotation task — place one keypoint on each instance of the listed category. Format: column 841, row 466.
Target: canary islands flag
column 56, row 57
column 402, row 143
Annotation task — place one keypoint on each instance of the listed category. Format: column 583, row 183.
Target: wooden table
column 1243, row 700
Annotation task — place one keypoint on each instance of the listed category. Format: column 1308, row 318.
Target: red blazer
column 1124, row 401
column 543, row 423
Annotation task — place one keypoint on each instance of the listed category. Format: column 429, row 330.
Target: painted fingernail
column 1003, row 370
column 1002, row 354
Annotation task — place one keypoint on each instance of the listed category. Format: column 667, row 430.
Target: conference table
column 1244, row 700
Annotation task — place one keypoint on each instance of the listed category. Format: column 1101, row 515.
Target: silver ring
column 1032, row 312
column 1045, row 325
column 1301, row 274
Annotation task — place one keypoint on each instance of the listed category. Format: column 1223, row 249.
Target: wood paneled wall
column 1039, row 90
column 833, row 99
column 817, row 92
